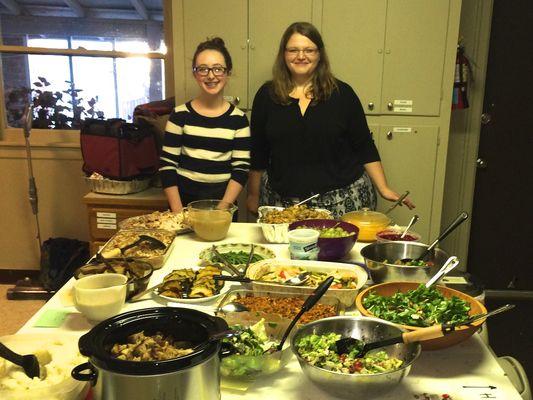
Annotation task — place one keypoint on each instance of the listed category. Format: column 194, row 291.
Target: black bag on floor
column 60, row 257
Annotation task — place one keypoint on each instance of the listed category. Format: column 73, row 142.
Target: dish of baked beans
column 287, row 307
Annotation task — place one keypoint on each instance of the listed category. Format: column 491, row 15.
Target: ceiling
column 106, row 9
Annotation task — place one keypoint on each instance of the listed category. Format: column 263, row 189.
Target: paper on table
column 51, row 318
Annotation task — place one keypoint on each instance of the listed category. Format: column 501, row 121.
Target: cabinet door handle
column 389, row 135
column 370, row 106
column 389, row 106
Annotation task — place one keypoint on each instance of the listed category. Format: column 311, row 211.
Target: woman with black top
column 310, row 135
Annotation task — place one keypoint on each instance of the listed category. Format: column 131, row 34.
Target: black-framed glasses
column 204, row 71
column 308, row 51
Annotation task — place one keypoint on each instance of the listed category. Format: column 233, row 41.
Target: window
column 92, row 59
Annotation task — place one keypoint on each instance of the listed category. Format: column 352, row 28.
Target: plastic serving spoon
column 29, row 362
column 345, row 345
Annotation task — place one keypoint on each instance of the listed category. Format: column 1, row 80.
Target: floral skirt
column 355, row 196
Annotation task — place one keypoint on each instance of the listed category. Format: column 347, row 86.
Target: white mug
column 100, row 296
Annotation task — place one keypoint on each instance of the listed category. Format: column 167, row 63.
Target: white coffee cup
column 100, row 296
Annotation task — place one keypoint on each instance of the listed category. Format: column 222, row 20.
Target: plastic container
column 345, row 296
column 63, row 350
column 331, row 248
column 303, row 244
column 369, row 223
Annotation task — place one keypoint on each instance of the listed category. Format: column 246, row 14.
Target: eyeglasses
column 204, row 71
column 308, row 52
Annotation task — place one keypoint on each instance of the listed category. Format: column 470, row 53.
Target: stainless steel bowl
column 376, row 253
column 368, row 329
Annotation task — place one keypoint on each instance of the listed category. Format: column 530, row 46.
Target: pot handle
column 220, row 323
column 91, row 376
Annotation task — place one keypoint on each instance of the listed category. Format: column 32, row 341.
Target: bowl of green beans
column 336, row 238
column 236, row 254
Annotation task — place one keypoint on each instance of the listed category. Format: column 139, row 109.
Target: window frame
column 69, row 138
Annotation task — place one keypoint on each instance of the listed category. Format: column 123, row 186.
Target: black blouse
column 322, row 150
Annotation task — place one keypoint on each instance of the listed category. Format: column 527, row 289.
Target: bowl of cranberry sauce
column 395, row 235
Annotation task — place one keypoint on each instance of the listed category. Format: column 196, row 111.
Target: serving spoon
column 28, row 362
column 450, row 264
column 297, row 280
column 345, row 345
column 458, row 221
column 413, row 221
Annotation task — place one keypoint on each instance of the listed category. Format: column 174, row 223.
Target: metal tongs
column 397, row 202
column 229, row 266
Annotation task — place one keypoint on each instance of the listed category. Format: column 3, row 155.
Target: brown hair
column 217, row 44
column 322, row 83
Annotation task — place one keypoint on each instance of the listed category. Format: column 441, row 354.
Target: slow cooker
column 191, row 377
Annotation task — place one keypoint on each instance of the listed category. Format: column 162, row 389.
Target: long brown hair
column 322, row 83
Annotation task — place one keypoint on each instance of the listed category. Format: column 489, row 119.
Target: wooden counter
column 105, row 211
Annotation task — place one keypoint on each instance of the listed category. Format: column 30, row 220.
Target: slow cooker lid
column 183, row 324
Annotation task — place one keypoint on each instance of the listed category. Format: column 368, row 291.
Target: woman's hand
column 252, row 203
column 389, row 194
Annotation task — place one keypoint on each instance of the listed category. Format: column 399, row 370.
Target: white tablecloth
column 468, row 371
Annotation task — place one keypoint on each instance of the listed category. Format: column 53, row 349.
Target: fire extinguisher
column 460, row 84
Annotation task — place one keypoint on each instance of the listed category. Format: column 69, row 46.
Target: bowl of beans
column 336, row 238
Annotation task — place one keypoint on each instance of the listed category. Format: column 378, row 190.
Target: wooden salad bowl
column 451, row 339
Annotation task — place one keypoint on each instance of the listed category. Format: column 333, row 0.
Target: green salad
column 250, row 359
column 420, row 307
column 237, row 257
column 321, row 351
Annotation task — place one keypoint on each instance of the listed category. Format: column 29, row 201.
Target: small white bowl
column 101, row 296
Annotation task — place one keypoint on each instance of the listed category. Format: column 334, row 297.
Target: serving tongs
column 345, row 345
column 397, row 202
column 228, row 266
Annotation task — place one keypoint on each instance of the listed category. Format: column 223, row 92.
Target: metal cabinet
column 251, row 30
column 408, row 154
column 391, row 52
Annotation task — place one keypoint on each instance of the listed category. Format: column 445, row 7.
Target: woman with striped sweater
column 206, row 148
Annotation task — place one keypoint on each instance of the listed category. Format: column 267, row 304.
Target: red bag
column 119, row 150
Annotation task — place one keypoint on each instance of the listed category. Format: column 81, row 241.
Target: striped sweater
column 200, row 151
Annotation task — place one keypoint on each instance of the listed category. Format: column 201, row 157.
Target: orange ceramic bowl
column 459, row 335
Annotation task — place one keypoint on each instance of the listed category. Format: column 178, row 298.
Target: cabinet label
column 106, row 220
column 403, row 109
column 106, row 214
column 403, row 102
column 106, row 226
column 401, row 129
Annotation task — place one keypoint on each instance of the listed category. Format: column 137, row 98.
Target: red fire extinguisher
column 460, row 84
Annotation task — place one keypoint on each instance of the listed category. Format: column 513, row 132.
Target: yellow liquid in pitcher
column 210, row 225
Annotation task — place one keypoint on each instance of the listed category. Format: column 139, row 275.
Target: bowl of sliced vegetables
column 344, row 375
column 336, row 238
column 253, row 348
column 397, row 261
column 271, row 275
column 412, row 306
